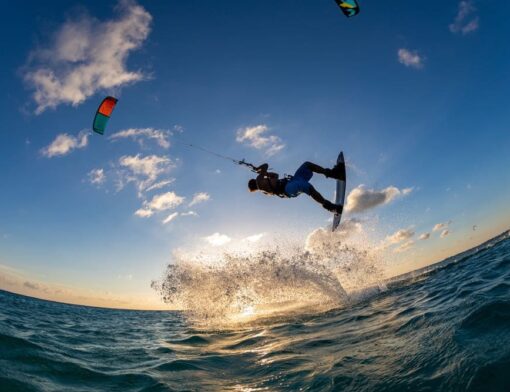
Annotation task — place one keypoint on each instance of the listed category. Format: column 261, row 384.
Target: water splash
column 236, row 287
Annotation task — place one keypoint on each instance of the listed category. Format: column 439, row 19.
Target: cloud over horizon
column 322, row 241
column 404, row 247
column 218, row 239
column 361, row 198
column 254, row 238
column 444, row 233
column 400, row 235
column 441, row 226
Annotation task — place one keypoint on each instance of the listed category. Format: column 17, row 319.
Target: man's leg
column 316, row 195
column 330, row 173
column 325, row 203
column 316, row 168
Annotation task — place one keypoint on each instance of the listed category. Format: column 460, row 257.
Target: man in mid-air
column 270, row 183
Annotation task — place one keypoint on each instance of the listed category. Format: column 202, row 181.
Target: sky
column 416, row 98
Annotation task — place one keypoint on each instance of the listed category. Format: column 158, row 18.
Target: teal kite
column 103, row 114
column 348, row 7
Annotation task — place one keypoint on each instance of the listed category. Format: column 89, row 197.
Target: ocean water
column 444, row 328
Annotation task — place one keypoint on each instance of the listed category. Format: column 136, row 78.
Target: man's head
column 252, row 185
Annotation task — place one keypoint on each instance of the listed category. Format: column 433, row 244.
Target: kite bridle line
column 242, row 162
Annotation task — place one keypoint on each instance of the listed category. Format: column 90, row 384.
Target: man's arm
column 263, row 173
column 262, row 168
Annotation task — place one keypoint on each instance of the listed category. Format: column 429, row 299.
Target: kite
column 348, row 7
column 103, row 114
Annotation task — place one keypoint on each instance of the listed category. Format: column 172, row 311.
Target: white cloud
column 144, row 171
column 425, row 236
column 189, row 213
column 410, row 58
column 86, row 56
column 400, row 235
column 323, row 241
column 170, row 217
column 404, row 247
column 218, row 239
column 138, row 134
column 165, row 201
column 441, row 226
column 178, row 128
column 257, row 138
column 254, row 238
column 64, row 144
column 144, row 213
column 158, row 203
column 361, row 198
column 32, row 285
column 97, row 176
column 160, row 184
column 444, row 233
column 199, row 198
column 466, row 20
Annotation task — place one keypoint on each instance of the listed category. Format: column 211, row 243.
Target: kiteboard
column 340, row 190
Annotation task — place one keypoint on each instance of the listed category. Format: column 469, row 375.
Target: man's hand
column 262, row 168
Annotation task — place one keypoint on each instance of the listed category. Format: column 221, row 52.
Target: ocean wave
column 443, row 329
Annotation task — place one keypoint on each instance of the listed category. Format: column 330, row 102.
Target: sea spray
column 314, row 277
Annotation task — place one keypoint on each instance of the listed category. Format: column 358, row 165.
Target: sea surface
column 444, row 328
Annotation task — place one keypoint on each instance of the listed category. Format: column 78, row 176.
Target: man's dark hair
column 252, row 185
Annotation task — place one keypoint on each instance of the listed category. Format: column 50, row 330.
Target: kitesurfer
column 292, row 186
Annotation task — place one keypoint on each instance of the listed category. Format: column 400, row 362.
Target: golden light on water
column 248, row 311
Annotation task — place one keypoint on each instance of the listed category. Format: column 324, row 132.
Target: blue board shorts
column 299, row 183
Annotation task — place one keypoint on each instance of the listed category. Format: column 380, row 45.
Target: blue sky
column 415, row 97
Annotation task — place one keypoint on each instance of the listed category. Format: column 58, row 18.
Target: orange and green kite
column 103, row 114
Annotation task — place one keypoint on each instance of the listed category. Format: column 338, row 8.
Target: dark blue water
column 446, row 328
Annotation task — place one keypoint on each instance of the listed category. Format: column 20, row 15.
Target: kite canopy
column 103, row 114
column 348, row 7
